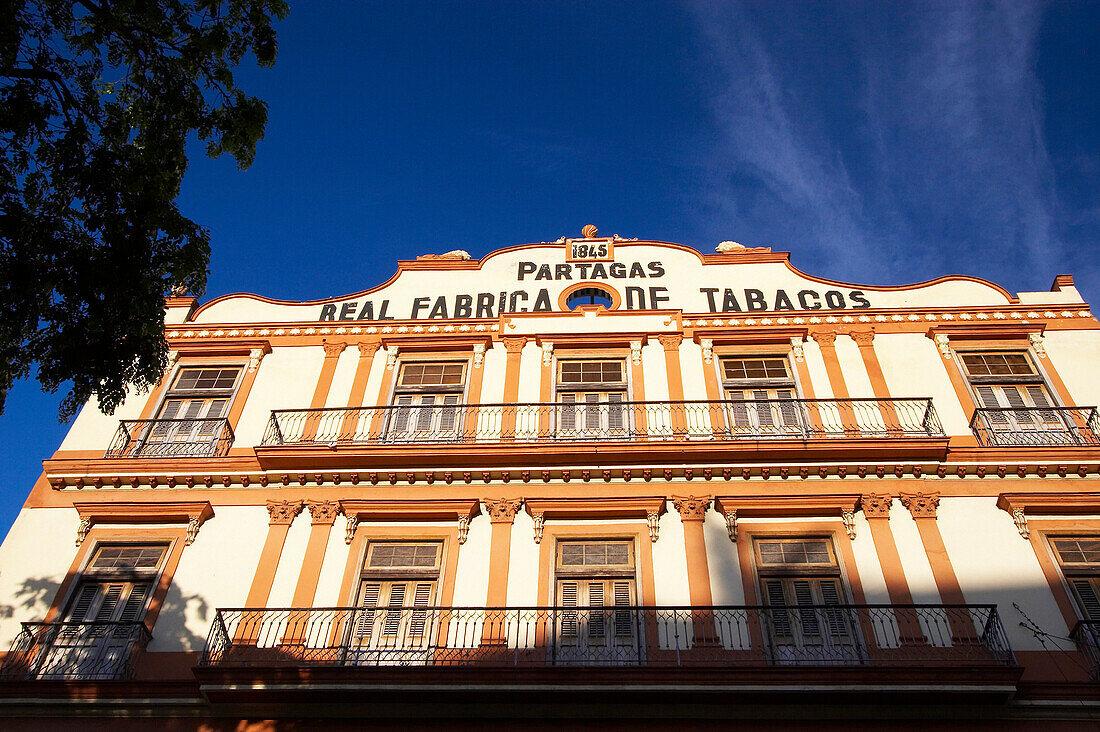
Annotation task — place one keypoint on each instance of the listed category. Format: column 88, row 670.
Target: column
column 502, row 514
column 378, row 419
column 349, row 429
column 826, row 340
column 514, row 347
column 320, row 392
column 671, row 343
column 922, row 507
column 865, row 340
column 322, row 515
column 693, row 512
column 876, row 509
column 281, row 515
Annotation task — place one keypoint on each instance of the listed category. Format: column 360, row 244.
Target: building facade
column 588, row 479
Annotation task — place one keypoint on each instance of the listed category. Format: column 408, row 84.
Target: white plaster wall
column 492, row 381
column 472, row 574
column 914, row 559
column 815, row 366
column 332, row 570
column 1076, row 355
column 670, row 560
column 913, row 367
column 530, row 372
column 34, row 560
column 285, row 379
column 853, row 368
column 340, row 389
column 867, row 564
column 523, row 563
column 290, row 563
column 995, row 564
column 726, row 587
column 653, row 368
column 216, row 571
column 691, row 367
column 94, row 430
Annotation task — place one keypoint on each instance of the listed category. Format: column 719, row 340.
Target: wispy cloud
column 944, row 167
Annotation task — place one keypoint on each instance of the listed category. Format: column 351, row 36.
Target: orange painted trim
column 643, row 553
column 240, row 398
column 714, row 393
column 1047, row 367
column 616, row 298
column 1041, row 532
column 145, row 512
column 960, row 384
column 515, row 348
column 324, row 383
column 174, row 538
column 947, row 582
column 637, row 388
column 780, row 505
column 362, row 373
column 424, row 509
column 698, row 569
column 674, row 375
column 890, row 561
column 500, row 553
column 866, row 346
column 305, row 590
column 546, row 393
column 747, row 534
column 826, row 341
column 264, row 577
column 595, row 508
column 383, row 398
column 366, row 533
column 475, row 378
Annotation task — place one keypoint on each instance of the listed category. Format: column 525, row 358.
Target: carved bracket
column 653, row 521
column 1037, row 344
column 707, row 345
column 636, row 353
column 731, row 524
column 540, row 522
column 391, row 357
column 463, row 529
column 254, row 357
column 352, row 525
column 796, row 348
column 547, row 354
column 849, row 519
column 479, row 355
column 1020, row 520
column 944, row 344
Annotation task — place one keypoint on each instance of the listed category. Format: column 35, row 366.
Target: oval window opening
column 589, row 296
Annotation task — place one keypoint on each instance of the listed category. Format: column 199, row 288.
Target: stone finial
column 589, row 231
column 459, row 254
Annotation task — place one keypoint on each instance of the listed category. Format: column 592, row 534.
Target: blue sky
column 877, row 142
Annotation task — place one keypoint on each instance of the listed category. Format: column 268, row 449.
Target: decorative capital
column 796, row 348
column 514, row 344
column 670, row 341
column 503, row 510
column 547, row 353
column 323, row 512
column 334, row 349
column 391, row 357
column 944, row 344
column 921, row 505
column 283, row 512
column 479, row 355
column 875, row 505
column 636, row 353
column 691, row 508
column 1037, row 345
column 369, row 348
column 863, row 338
column 707, row 345
column 825, row 338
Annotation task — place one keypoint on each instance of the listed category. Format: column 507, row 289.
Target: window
column 760, row 394
column 591, row 576
column 589, row 296
column 191, row 420
column 399, row 582
column 591, row 395
column 427, row 401
column 1079, row 557
column 1011, row 393
column 800, row 583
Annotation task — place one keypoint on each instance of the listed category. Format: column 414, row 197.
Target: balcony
column 1036, row 426
column 604, row 422
column 1087, row 637
column 875, row 636
column 171, row 438
column 74, row 651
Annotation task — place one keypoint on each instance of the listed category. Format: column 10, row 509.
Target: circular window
column 589, row 296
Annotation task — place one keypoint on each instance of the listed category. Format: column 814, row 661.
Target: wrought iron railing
column 818, row 635
column 1036, row 426
column 1087, row 637
column 799, row 419
column 171, row 438
column 74, row 651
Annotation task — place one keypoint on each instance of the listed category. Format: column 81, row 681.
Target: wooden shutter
column 763, row 406
column 392, row 621
column 615, row 414
column 448, row 415
column 804, row 595
column 1090, row 601
column 112, row 593
column 596, row 625
column 624, row 626
column 788, row 410
column 425, row 413
column 82, row 603
column 422, row 597
column 830, row 595
column 988, row 397
column 568, row 418
column 567, row 592
column 781, row 621
column 401, row 414
column 592, row 411
column 134, row 608
column 739, row 409
column 368, row 601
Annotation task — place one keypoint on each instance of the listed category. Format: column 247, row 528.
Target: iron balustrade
column 1087, row 637
column 804, row 635
column 798, row 419
column 74, row 651
column 1032, row 426
column 171, row 438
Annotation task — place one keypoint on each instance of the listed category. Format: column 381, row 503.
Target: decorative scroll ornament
column 653, row 520
column 944, row 344
column 503, row 511
column 1020, row 520
column 547, row 354
column 849, row 519
column 352, row 525
column 479, row 355
column 1037, row 344
column 708, row 349
column 921, row 505
column 83, row 529
column 796, row 348
column 391, row 357
column 193, row 525
column 636, row 353
column 463, row 529
column 540, row 522
column 254, row 357
column 731, row 524
column 173, row 356
column 323, row 512
column 875, row 505
column 691, row 508
column 283, row 512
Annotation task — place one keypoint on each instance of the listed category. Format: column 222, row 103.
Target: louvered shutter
column 401, row 414
column 449, row 413
column 596, row 624
column 830, row 595
column 592, row 412
column 422, row 597
column 568, row 594
column 803, row 595
column 788, row 410
column 132, row 611
column 169, row 411
column 763, row 406
column 568, row 420
column 615, row 414
column 111, row 594
column 368, row 601
column 85, row 597
column 425, row 413
column 988, row 398
column 738, row 409
column 624, row 626
column 781, row 621
column 1015, row 397
column 392, row 622
column 1090, row 601
column 1039, row 398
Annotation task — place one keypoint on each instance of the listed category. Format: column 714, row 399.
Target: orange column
column 637, row 385
column 876, row 508
column 378, row 420
column 865, row 340
column 322, row 515
column 349, row 428
column 473, row 393
column 693, row 512
column 280, row 516
column 826, row 340
column 671, row 343
column 511, row 385
column 320, row 392
column 714, row 393
column 805, row 384
column 923, row 509
column 546, row 390
column 502, row 514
